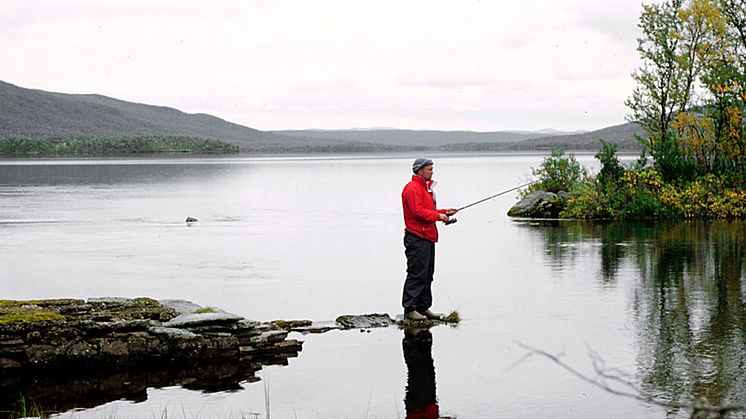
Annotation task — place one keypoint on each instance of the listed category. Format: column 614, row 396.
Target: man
column 420, row 236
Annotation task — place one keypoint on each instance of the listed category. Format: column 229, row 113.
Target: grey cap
column 420, row 163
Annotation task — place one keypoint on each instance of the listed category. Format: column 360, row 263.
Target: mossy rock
column 453, row 318
column 206, row 310
column 30, row 311
column 114, row 309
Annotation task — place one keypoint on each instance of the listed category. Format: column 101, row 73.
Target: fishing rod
column 453, row 220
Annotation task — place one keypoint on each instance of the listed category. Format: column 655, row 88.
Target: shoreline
column 8, row 160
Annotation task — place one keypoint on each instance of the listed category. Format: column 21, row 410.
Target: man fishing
column 420, row 236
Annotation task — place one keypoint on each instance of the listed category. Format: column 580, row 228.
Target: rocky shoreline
column 121, row 332
column 71, row 353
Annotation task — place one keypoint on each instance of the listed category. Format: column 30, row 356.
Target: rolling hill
column 41, row 115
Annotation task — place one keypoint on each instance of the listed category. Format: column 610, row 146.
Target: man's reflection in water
column 420, row 400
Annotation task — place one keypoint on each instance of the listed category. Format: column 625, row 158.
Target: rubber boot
column 432, row 316
column 414, row 315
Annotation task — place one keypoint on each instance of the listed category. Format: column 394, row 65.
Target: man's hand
column 451, row 211
column 443, row 217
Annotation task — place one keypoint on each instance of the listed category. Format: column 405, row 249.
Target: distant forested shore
column 100, row 146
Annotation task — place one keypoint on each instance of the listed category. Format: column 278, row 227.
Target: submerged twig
column 699, row 408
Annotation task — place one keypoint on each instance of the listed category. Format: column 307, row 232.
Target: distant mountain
column 624, row 136
column 411, row 138
column 551, row 131
column 37, row 114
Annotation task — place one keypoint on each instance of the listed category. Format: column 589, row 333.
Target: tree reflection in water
column 689, row 304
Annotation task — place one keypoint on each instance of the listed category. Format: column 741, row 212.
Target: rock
column 120, row 333
column 289, row 324
column 539, row 204
column 129, row 325
column 317, row 327
column 248, row 324
column 114, row 348
column 112, row 300
column 364, row 321
column 269, row 337
column 172, row 332
column 191, row 220
column 181, row 306
column 6, row 364
column 201, row 319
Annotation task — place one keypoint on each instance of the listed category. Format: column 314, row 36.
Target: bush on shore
column 641, row 192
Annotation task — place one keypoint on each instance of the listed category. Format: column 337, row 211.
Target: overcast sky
column 449, row 65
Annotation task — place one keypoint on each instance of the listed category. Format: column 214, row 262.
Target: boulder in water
column 539, row 204
column 364, row 321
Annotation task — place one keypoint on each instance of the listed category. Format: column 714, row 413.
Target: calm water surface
column 662, row 304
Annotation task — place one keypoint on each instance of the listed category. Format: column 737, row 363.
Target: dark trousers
column 420, row 268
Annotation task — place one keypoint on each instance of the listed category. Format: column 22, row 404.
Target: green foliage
column 643, row 205
column 690, row 46
column 453, row 317
column 672, row 162
column 697, row 142
column 707, row 197
column 643, row 193
column 557, row 173
column 659, row 81
column 611, row 170
column 585, row 202
column 73, row 147
column 32, row 410
column 205, row 310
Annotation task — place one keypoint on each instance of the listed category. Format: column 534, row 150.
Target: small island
column 644, row 191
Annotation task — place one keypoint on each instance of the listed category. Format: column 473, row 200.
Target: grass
column 205, row 310
column 453, row 318
column 26, row 410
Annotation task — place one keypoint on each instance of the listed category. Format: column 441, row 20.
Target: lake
column 658, row 307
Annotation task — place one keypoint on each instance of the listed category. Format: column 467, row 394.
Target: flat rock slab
column 317, row 327
column 290, row 324
column 181, row 306
column 202, row 319
column 365, row 321
column 173, row 332
column 271, row 336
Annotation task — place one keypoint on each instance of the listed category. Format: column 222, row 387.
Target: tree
column 690, row 89
column 659, row 81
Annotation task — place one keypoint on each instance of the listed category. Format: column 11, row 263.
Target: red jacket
column 420, row 213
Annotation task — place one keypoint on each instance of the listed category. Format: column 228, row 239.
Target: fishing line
column 453, row 220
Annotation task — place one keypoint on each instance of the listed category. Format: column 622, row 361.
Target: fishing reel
column 450, row 221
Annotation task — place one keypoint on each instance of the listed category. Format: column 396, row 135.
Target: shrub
column 672, row 162
column 585, row 201
column 611, row 169
column 640, row 191
column 557, row 173
column 706, row 197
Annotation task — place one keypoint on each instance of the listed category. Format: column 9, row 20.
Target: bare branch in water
column 700, row 408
